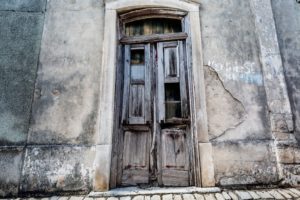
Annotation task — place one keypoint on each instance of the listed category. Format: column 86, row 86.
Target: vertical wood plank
column 160, row 82
column 148, row 77
column 166, row 62
column 126, row 83
column 156, row 115
column 183, row 85
column 136, row 103
column 122, row 109
column 117, row 116
column 159, row 155
column 120, row 157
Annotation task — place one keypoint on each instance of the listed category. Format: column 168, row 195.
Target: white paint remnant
column 238, row 72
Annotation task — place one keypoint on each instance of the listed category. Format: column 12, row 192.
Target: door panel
column 175, row 157
column 175, row 178
column 174, row 153
column 136, row 104
column 137, row 85
column 136, row 157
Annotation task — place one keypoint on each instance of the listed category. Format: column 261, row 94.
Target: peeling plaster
column 219, row 98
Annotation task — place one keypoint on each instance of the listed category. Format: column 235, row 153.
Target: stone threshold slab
column 131, row 191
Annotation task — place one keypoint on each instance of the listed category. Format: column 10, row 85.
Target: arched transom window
column 152, row 25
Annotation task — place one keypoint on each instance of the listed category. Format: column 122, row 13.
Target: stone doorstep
column 132, row 191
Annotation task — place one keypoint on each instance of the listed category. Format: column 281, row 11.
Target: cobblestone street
column 149, row 99
column 183, row 194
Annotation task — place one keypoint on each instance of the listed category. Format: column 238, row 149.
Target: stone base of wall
column 46, row 170
column 245, row 163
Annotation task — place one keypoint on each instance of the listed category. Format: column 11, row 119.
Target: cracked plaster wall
column 219, row 99
column 58, row 151
column 237, row 109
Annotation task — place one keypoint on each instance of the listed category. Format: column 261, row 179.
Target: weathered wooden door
column 136, row 115
column 173, row 115
column 156, row 144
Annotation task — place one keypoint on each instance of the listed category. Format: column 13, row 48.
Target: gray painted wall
column 21, row 32
column 287, row 18
column 237, row 105
column 62, row 131
column 21, row 29
column 49, row 68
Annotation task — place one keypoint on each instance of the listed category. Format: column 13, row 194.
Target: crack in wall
column 225, row 111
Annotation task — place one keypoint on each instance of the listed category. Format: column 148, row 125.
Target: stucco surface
column 51, row 61
column 23, row 5
column 240, row 163
column 20, row 35
column 236, row 98
column 233, row 112
column 65, row 103
column 21, row 25
column 288, row 30
column 57, row 169
column 230, row 48
column 11, row 165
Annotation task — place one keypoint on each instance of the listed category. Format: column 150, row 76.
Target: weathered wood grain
column 153, row 38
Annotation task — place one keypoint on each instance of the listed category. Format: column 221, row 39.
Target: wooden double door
column 154, row 140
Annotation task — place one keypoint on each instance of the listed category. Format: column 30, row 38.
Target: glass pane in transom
column 153, row 26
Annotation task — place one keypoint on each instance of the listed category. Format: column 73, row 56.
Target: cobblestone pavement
column 181, row 194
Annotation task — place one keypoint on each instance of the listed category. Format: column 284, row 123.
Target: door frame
column 204, row 169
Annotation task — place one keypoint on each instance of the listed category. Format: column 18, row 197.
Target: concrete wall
column 21, row 23
column 287, row 18
column 21, row 31
column 50, row 63
column 62, row 131
column 239, row 127
column 48, row 94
